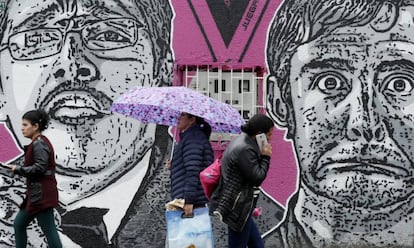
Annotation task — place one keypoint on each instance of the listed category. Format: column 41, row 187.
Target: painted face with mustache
column 73, row 59
column 352, row 109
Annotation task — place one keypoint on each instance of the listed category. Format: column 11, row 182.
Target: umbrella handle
column 172, row 151
column 173, row 144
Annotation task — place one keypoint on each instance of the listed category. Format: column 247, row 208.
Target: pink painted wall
column 8, row 149
column 245, row 49
column 197, row 41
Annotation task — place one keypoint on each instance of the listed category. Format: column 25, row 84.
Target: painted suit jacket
column 289, row 233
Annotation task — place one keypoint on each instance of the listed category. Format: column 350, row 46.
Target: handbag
column 210, row 176
column 195, row 231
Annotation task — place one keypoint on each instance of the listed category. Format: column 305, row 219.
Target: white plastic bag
column 189, row 232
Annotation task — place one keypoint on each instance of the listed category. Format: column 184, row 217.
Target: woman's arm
column 253, row 167
column 192, row 160
column 41, row 153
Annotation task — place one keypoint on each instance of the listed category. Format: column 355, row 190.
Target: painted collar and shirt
column 289, row 233
column 107, row 214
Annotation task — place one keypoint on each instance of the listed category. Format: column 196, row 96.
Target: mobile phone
column 261, row 137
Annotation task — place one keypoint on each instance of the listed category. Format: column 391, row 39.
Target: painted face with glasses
column 73, row 58
column 105, row 35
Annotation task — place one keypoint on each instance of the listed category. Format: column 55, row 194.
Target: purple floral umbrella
column 163, row 105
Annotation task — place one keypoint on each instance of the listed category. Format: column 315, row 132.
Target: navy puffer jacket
column 191, row 155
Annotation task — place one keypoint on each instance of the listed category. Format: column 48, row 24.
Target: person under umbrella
column 191, row 155
column 244, row 167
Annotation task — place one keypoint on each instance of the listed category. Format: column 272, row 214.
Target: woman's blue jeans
column 248, row 237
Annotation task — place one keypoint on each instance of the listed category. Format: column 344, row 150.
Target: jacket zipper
column 235, row 201
column 245, row 220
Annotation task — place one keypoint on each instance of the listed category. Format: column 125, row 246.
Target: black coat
column 243, row 169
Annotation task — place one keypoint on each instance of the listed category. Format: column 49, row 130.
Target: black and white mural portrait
column 73, row 58
column 341, row 82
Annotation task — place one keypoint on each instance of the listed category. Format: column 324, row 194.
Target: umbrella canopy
column 163, row 105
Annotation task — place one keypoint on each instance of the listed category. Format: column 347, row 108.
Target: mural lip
column 368, row 167
column 67, row 106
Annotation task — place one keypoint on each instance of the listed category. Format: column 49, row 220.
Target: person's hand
column 266, row 149
column 168, row 164
column 188, row 209
column 12, row 167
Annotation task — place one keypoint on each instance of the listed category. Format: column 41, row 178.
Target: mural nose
column 75, row 65
column 366, row 120
column 60, row 73
column 368, row 134
column 86, row 72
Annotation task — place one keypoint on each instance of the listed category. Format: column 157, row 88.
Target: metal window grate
column 242, row 88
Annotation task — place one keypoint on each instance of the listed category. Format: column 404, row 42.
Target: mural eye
column 331, row 83
column 111, row 36
column 35, row 44
column 400, row 84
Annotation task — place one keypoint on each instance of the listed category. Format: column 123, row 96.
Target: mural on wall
column 341, row 84
column 223, row 31
column 73, row 58
column 229, row 17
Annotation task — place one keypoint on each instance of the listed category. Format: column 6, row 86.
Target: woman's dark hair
column 205, row 127
column 259, row 123
column 38, row 116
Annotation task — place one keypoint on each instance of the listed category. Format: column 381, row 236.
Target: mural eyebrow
column 102, row 12
column 400, row 64
column 124, row 8
column 331, row 63
column 38, row 19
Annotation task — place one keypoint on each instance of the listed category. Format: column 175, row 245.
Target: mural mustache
column 384, row 159
column 75, row 105
column 363, row 175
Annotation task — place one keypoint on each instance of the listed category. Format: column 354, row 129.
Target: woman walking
column 192, row 154
column 244, row 168
column 41, row 189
